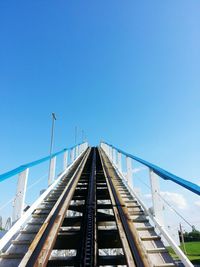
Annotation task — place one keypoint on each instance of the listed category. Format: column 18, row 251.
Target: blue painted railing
column 161, row 172
column 21, row 168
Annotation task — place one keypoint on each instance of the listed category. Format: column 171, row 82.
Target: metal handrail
column 161, row 172
column 21, row 168
column 159, row 226
column 21, row 221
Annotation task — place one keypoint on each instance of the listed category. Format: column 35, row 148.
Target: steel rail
column 137, row 253
column 41, row 247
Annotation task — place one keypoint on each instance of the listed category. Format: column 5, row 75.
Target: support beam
column 107, row 150
column 80, row 149
column 110, row 153
column 156, row 200
column 77, row 151
column 52, row 170
column 119, row 161
column 18, row 206
column 72, row 155
column 129, row 171
column 114, row 157
column 65, row 160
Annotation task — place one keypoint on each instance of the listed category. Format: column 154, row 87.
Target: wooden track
column 89, row 219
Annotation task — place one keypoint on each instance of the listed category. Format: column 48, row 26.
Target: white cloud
column 147, row 196
column 137, row 190
column 197, row 203
column 182, row 204
column 136, row 170
column 174, row 199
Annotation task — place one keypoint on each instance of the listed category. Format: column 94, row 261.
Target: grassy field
column 193, row 252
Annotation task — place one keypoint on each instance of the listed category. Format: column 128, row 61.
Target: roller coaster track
column 89, row 219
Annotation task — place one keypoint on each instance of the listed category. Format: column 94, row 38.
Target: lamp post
column 52, row 131
column 52, row 164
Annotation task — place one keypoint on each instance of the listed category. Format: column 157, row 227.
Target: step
column 150, row 238
column 51, row 199
column 130, row 201
column 165, row 265
column 35, row 223
column 123, row 190
column 58, row 190
column 145, row 228
column 44, row 210
column 156, row 250
column 29, row 232
column 127, row 194
column 133, row 206
column 21, row 242
column 11, row 255
column 140, row 220
column 136, row 212
column 45, row 206
column 35, row 215
column 54, row 196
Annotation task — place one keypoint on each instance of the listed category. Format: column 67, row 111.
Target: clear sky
column 124, row 71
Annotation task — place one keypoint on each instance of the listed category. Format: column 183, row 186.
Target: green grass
column 193, row 252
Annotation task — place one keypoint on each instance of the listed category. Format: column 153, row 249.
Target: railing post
column 84, row 146
column 52, row 170
column 114, row 156
column 157, row 201
column 110, row 152
column 107, row 150
column 119, row 161
column 72, row 155
column 129, row 171
column 19, row 200
column 81, row 149
column 65, row 160
column 102, row 146
column 77, row 150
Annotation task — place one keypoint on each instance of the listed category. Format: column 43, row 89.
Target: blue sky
column 124, row 71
